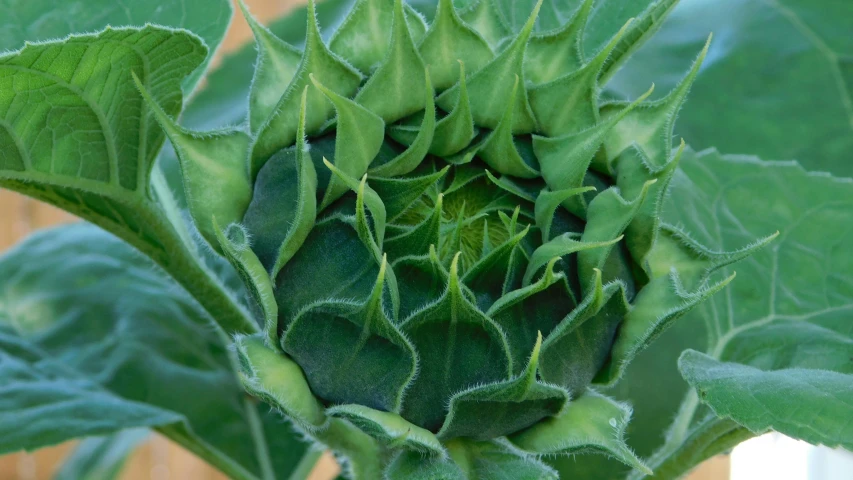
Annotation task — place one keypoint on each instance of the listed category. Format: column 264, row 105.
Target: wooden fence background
column 158, row 458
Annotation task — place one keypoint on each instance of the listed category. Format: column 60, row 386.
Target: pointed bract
column 495, row 81
column 456, row 342
column 455, row 131
column 650, row 125
column 277, row 64
column 555, row 54
column 280, row 129
column 570, row 103
column 498, row 409
column 448, row 41
column 234, row 243
column 366, row 359
column 388, row 92
column 363, row 38
column 412, row 157
column 389, row 429
column 498, row 149
column 359, row 136
column 215, row 179
column 305, row 208
column 592, row 421
column 565, row 160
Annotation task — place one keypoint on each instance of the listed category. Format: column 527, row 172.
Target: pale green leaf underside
column 108, row 342
column 101, row 458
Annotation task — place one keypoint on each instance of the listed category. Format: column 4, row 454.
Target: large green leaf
column 41, row 20
column 107, row 342
column 75, row 132
column 785, row 319
column 765, row 400
column 782, row 68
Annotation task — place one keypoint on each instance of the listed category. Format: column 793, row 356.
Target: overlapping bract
column 450, row 267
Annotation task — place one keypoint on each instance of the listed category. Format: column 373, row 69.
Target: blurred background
column 771, row 456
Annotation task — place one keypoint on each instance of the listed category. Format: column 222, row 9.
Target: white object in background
column 828, row 464
column 771, row 456
column 777, row 457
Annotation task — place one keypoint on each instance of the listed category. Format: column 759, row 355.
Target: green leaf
column 101, row 458
column 810, row 105
column 448, row 41
column 388, row 91
column 802, row 329
column 364, row 36
column 45, row 20
column 771, row 317
column 764, row 400
column 496, row 81
column 38, row 387
column 276, row 66
column 591, row 422
column 497, row 409
column 77, row 363
column 281, row 128
column 358, row 136
column 390, row 429
column 366, row 360
column 458, row 347
column 96, row 161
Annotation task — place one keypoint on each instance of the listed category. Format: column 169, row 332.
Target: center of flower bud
column 470, row 220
